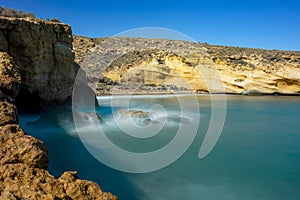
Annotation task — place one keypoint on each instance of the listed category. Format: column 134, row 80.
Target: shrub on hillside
column 9, row 12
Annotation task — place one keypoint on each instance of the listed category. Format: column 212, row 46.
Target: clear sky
column 248, row 23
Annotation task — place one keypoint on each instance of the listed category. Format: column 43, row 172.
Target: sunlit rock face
column 37, row 72
column 42, row 52
column 162, row 66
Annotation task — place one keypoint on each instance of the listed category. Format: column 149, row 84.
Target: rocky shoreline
column 38, row 66
column 37, row 72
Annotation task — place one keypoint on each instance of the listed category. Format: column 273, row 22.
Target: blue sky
column 248, row 23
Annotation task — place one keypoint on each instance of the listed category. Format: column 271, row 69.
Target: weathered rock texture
column 160, row 66
column 10, row 77
column 42, row 50
column 22, row 182
column 36, row 67
column 8, row 114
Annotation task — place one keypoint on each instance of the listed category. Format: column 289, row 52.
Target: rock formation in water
column 37, row 71
column 161, row 66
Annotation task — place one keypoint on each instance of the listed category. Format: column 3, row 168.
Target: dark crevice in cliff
column 28, row 102
column 4, row 44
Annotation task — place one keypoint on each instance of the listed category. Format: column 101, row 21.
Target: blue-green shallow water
column 256, row 157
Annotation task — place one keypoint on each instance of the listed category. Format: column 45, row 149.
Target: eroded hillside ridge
column 161, row 66
column 37, row 70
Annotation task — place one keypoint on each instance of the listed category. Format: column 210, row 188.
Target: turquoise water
column 256, row 157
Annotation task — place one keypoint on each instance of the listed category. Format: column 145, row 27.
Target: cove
column 256, row 157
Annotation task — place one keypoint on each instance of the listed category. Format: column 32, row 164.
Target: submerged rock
column 95, row 115
column 134, row 113
column 88, row 117
column 140, row 117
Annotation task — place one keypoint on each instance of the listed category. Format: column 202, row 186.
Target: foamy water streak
column 124, row 160
column 159, row 118
column 257, row 156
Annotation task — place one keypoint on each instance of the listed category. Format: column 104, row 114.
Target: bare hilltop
column 145, row 66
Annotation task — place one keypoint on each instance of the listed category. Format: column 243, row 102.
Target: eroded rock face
column 10, row 77
column 17, row 147
column 257, row 71
column 81, row 189
column 124, row 65
column 24, row 175
column 8, row 114
column 37, row 70
column 43, row 53
column 21, row 182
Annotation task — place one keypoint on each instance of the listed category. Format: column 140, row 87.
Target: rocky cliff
column 160, row 66
column 37, row 71
column 42, row 50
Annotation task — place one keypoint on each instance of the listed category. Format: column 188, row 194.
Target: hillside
column 121, row 65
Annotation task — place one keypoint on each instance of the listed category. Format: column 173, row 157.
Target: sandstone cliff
column 42, row 50
column 160, row 66
column 37, row 71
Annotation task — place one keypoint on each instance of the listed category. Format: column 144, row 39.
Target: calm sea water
column 257, row 155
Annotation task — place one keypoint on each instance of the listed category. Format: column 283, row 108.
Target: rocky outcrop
column 8, row 114
column 21, row 182
column 37, row 71
column 17, row 147
column 255, row 71
column 82, row 47
column 124, row 65
column 42, row 50
column 134, row 113
column 10, row 77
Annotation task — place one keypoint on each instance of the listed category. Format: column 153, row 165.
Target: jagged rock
column 134, row 113
column 81, row 189
column 11, row 128
column 22, row 182
column 16, row 147
column 10, row 77
column 23, row 174
column 8, row 114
